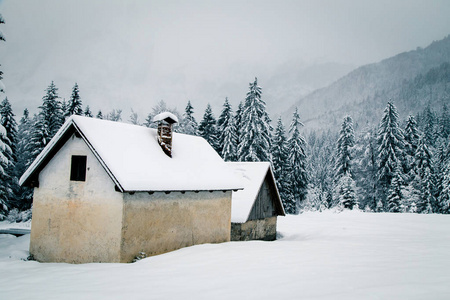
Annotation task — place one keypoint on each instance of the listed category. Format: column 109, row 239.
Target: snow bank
column 320, row 256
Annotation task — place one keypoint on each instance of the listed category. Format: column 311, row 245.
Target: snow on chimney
column 165, row 121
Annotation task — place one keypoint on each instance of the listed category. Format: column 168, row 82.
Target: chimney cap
column 166, row 116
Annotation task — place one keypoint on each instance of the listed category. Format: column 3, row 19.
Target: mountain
column 410, row 79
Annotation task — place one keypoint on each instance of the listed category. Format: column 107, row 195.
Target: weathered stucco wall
column 161, row 222
column 73, row 221
column 264, row 229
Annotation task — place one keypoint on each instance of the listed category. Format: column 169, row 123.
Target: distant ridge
column 363, row 93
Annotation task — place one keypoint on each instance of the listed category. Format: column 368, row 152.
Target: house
column 105, row 191
column 254, row 209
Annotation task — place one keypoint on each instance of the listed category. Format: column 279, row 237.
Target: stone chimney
column 165, row 122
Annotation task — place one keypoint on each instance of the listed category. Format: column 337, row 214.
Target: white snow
column 351, row 255
column 165, row 115
column 252, row 175
column 135, row 159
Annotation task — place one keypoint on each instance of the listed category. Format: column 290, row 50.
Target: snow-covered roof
column 165, row 115
column 252, row 175
column 134, row 160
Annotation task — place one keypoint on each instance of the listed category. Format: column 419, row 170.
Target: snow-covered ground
column 350, row 255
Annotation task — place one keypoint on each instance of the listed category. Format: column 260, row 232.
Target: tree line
column 389, row 167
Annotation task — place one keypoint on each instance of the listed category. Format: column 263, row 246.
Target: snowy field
column 350, row 255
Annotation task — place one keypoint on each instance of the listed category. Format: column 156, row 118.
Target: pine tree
column 226, row 120
column 134, row 118
column 426, row 195
column 228, row 137
column 254, row 135
column 423, row 158
column 429, row 126
column 115, row 115
column 390, row 147
column 280, row 167
column 49, row 120
column 238, row 123
column 7, row 120
column 207, row 128
column 395, row 197
column 411, row 142
column 189, row 124
column 9, row 123
column 297, row 162
column 345, row 144
column 440, row 168
column 23, row 195
column 99, row 115
column 347, row 192
column 366, row 167
column 444, row 123
column 444, row 196
column 74, row 107
column 5, row 188
column 88, row 112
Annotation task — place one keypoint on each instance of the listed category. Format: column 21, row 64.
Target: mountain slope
column 364, row 92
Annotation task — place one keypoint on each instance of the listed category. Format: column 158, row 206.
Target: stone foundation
column 265, row 229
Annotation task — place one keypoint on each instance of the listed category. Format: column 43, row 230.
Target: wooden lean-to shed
column 105, row 191
column 255, row 209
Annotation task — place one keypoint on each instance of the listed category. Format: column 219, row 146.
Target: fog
column 131, row 54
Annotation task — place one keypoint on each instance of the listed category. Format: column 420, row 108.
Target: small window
column 78, row 168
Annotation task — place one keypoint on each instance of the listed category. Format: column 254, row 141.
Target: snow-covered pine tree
column 444, row 123
column 87, row 112
column 23, row 195
column 440, row 160
column 444, row 196
column 49, row 120
column 346, row 191
column 115, row 115
column 412, row 136
column 297, row 162
column 395, row 196
column 134, row 118
column 254, row 132
column 366, row 167
column 320, row 157
column 189, row 124
column 227, row 134
column 423, row 158
column 345, row 144
column 207, row 128
column 425, row 206
column 74, row 106
column 7, row 120
column 429, row 132
column 424, row 169
column 224, row 119
column 99, row 115
column 5, row 189
column 238, row 123
column 9, row 123
column 280, row 167
column 64, row 108
column 390, row 148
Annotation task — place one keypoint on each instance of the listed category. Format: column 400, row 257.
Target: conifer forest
column 401, row 164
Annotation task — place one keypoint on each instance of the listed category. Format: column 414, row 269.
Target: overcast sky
column 134, row 53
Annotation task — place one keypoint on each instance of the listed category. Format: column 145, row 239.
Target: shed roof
column 132, row 157
column 252, row 175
